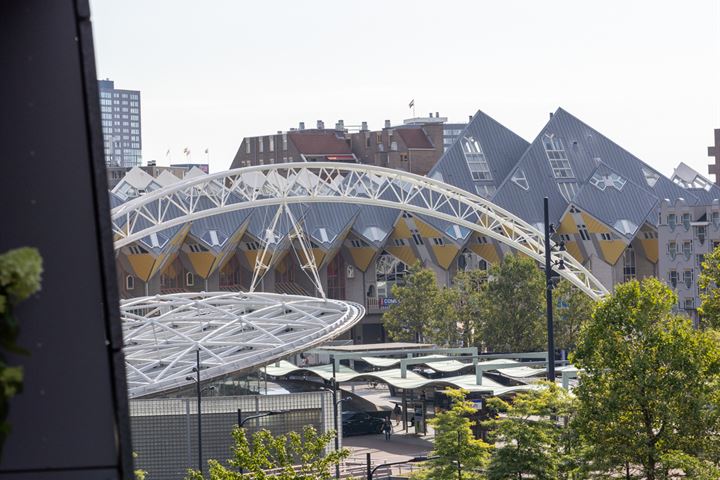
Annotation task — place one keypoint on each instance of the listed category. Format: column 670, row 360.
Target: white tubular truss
column 235, row 332
column 283, row 184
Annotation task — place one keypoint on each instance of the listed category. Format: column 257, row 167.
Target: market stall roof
column 373, row 347
column 393, row 378
column 447, row 366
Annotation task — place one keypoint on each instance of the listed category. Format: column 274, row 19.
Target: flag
column 207, row 150
column 167, row 153
column 412, row 103
column 186, row 151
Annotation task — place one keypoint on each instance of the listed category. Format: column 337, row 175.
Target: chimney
column 279, row 132
column 152, row 163
column 470, row 118
column 320, row 125
column 340, row 126
column 387, row 123
column 364, row 127
column 302, row 126
column 551, row 114
column 437, row 115
column 430, row 114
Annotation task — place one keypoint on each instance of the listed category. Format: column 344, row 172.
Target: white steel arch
column 289, row 183
column 234, row 331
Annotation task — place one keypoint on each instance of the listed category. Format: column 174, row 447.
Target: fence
column 165, row 436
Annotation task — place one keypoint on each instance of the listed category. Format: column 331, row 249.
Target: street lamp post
column 241, row 421
column 196, row 370
column 549, row 230
column 371, row 472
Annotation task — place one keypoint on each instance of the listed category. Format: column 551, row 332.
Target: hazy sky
column 644, row 73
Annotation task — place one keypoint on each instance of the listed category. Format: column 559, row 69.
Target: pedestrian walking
column 387, row 428
column 397, row 413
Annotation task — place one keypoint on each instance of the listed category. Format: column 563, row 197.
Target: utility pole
column 548, row 297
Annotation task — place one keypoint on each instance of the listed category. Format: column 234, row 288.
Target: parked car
column 360, row 423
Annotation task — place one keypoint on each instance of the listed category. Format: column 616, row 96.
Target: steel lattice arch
column 296, row 183
column 235, row 332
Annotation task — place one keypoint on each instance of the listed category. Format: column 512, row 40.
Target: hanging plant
column 20, row 271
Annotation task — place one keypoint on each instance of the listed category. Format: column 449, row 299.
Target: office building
column 121, row 125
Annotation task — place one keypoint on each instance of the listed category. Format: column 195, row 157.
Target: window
column 284, row 141
column 687, row 278
column 650, row 235
column 686, row 221
column 399, row 242
column 486, row 191
column 406, row 214
column 687, row 248
column 628, row 264
column 389, row 271
column 438, row 241
column 416, row 236
column 700, row 234
column 367, row 140
column 565, row 237
column 672, row 220
column 358, row 244
column 673, row 278
column 403, row 157
column 197, row 248
column 689, row 303
column 252, row 245
column 475, row 158
column 650, row 177
column 715, row 219
column 606, row 236
column 136, row 250
column 568, row 190
column 129, row 282
column 699, row 259
column 378, row 138
column 584, row 234
column 271, row 146
column 520, row 180
column 261, row 146
column 189, row 279
column 469, row 260
column 672, row 248
column 611, row 180
column 557, row 156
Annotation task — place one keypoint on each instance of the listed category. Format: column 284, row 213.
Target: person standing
column 397, row 413
column 387, row 428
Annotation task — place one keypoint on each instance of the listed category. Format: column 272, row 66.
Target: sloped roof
column 319, row 143
column 414, row 137
column 624, row 209
column 502, row 148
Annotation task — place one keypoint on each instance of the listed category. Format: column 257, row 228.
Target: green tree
column 530, row 443
column 513, row 307
column 455, row 442
column 468, row 288
column 573, row 308
column 285, row 457
column 650, row 383
column 20, row 277
column 420, row 304
column 709, row 281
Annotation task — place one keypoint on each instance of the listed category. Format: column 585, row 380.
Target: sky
column 644, row 73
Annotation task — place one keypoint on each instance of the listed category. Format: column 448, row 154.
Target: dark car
column 360, row 423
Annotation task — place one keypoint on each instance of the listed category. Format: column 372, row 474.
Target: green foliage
column 573, row 308
column 708, row 282
column 420, row 310
column 530, row 441
column 513, row 306
column 454, row 442
column 139, row 473
column 285, row 457
column 20, row 272
column 649, row 391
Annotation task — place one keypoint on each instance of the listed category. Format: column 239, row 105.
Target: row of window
column 261, row 143
column 687, row 278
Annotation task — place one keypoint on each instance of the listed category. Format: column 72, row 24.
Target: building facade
column 121, row 125
column 415, row 146
column 606, row 206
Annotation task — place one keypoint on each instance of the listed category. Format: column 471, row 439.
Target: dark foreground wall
column 71, row 420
